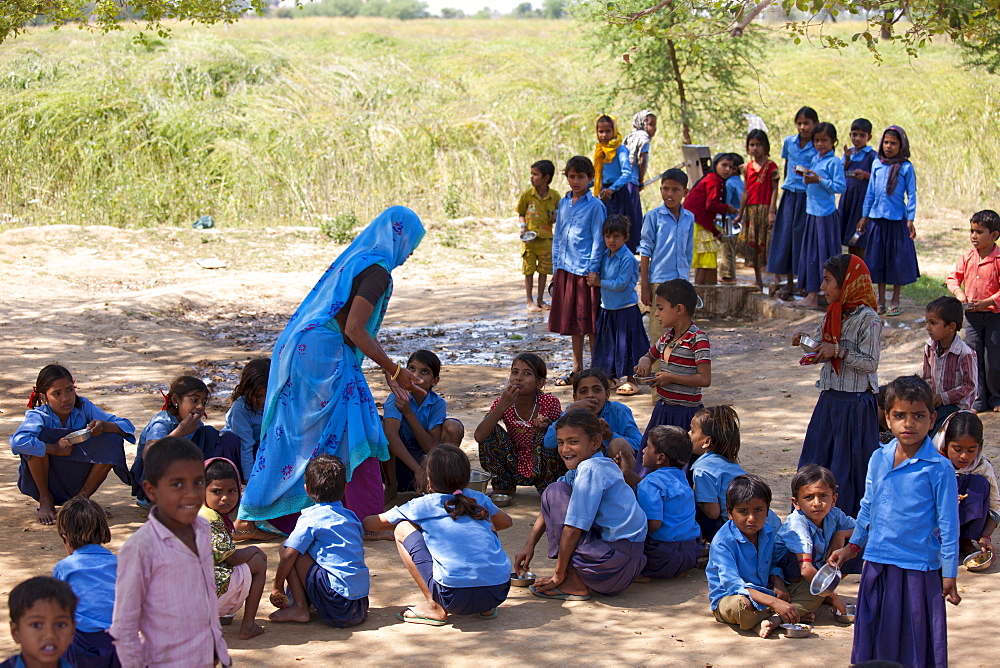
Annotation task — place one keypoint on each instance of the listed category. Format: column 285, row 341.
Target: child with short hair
column 239, row 574
column 447, row 540
column 734, row 195
column 91, row 570
column 715, row 441
column 976, row 283
column 536, row 211
column 595, row 528
column 621, row 337
column 908, row 527
column 577, row 247
column 166, row 609
column 858, row 160
column 821, row 235
column 246, row 411
column 745, row 585
column 759, row 204
column 950, row 365
column 53, row 470
column 706, row 201
column 41, row 622
column 672, row 546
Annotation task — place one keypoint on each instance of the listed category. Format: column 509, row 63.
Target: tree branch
column 748, row 19
column 651, row 10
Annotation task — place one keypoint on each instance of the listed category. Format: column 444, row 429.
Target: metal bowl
column 528, row 235
column 808, row 343
column 78, row 436
column 525, row 580
column 797, row 630
column 848, row 617
column 978, row 562
column 478, row 480
column 501, row 500
column 825, row 581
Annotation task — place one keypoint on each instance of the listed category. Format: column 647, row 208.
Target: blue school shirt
column 619, row 274
column 734, row 191
column 333, row 537
column 602, row 499
column 664, row 495
column 466, row 551
column 244, row 422
column 909, row 514
column 430, row 413
column 25, row 440
column 821, row 198
column 17, row 661
column 901, row 204
column 668, row 242
column 735, row 565
column 577, row 237
column 91, row 572
column 860, row 156
column 160, row 427
column 617, row 173
column 712, row 474
column 618, row 416
column 795, row 155
column 635, row 167
column 801, row 535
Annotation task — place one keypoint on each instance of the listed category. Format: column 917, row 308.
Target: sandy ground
column 127, row 310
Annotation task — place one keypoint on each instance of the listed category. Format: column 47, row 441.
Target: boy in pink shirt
column 976, row 282
column 166, row 582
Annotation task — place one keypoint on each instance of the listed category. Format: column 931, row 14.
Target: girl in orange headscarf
column 843, row 431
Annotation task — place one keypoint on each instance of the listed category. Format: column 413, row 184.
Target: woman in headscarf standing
column 318, row 401
column 843, row 430
column 637, row 143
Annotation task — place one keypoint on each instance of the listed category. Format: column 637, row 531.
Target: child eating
column 536, row 211
column 41, row 622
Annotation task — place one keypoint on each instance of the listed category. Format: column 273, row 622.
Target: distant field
column 273, row 122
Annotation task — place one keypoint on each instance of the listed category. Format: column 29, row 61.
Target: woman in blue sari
column 318, row 401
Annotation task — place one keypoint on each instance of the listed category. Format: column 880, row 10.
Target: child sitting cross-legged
column 323, row 559
column 41, row 622
column 745, row 585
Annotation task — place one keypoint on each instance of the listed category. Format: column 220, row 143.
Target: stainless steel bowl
column 479, row 480
column 848, row 617
column 501, row 500
column 978, row 562
column 525, row 580
column 797, row 630
column 808, row 343
column 825, row 580
column 78, row 436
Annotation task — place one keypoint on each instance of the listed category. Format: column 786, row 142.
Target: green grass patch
column 925, row 289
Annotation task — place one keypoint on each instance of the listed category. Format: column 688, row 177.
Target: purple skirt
column 891, row 255
column 67, row 474
column 820, row 242
column 574, row 304
column 621, row 340
column 786, row 237
column 666, row 559
column 672, row 415
column 626, row 202
column 900, row 617
column 974, row 509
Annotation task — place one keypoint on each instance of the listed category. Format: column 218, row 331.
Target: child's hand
column 522, row 560
column 508, row 396
column 63, row 448
column 189, row 424
column 911, row 229
column 590, row 403
column 825, row 351
column 541, row 423
column 662, row 379
column 593, row 280
column 606, row 433
column 643, row 367
column 862, row 224
column 402, row 398
column 731, row 210
column 645, row 295
column 807, row 570
column 981, row 305
column 949, row 589
column 840, row 557
column 607, row 193
column 772, row 215
column 861, row 175
column 96, row 427
column 986, row 544
column 797, row 338
column 278, row 599
column 810, row 176
column 786, row 611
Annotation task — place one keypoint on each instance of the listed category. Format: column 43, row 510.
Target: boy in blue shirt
column 745, row 585
column 323, row 559
column 41, row 622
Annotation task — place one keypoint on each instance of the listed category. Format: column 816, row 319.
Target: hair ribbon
column 457, row 492
column 33, row 398
column 166, row 400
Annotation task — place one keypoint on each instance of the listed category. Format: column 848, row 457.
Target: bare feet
column 252, row 631
column 379, row 535
column 46, row 512
column 542, row 305
column 533, row 307
column 768, row 626
column 996, row 409
column 807, row 618
column 292, row 614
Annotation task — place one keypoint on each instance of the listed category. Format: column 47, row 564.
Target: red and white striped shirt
column 682, row 357
column 952, row 374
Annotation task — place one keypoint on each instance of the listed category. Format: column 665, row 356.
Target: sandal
column 491, row 614
column 881, row 309
column 784, row 293
column 627, row 389
column 894, row 311
column 256, row 534
column 416, row 618
column 564, row 380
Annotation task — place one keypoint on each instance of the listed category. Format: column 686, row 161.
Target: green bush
column 342, row 228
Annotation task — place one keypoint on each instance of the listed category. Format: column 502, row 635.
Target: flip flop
column 492, row 614
column 563, row 381
column 417, row 618
column 881, row 309
column 559, row 595
column 894, row 311
column 627, row 389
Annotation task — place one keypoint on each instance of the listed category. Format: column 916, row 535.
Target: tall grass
column 273, row 122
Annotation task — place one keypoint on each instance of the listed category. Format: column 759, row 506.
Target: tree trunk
column 886, row 33
column 681, row 96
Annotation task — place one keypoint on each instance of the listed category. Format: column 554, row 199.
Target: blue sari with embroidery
column 318, row 401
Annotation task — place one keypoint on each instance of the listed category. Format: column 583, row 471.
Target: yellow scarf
column 605, row 153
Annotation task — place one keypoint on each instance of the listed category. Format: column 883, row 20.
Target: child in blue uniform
column 908, row 527
column 821, row 236
column 614, row 168
column 448, row 542
column 41, row 622
column 734, row 196
column 715, row 441
column 858, row 159
column 247, row 411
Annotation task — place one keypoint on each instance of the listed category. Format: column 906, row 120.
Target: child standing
column 949, row 364
column 789, row 224
column 858, row 160
column 976, row 282
column 613, row 170
column 577, row 246
column 166, row 609
column 536, row 211
column 637, row 142
column 715, row 441
column 515, row 454
column 91, row 570
column 323, row 559
column 447, row 540
column 595, row 528
column 908, row 527
column 821, row 235
column 41, row 622
column 759, row 203
column 734, row 195
column 53, row 470
column 706, row 201
column 621, row 336
column 745, row 585
column 843, row 429
column 890, row 206
column 247, row 411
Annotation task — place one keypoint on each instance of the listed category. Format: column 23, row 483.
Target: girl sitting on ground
column 715, row 438
column 247, row 411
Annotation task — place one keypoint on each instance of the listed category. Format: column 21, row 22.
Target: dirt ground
column 127, row 310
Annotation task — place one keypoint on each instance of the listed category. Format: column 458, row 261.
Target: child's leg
column 258, row 573
column 452, row 431
column 389, row 478
column 98, row 474
column 498, row 456
column 542, row 280
column 975, row 337
column 895, row 294
column 555, row 503
column 39, row 469
column 529, row 283
column 577, row 340
column 991, row 363
column 881, row 294
column 416, row 558
column 803, row 601
column 298, row 611
column 739, row 610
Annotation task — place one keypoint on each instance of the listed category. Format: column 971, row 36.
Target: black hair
column 219, row 469
column 719, row 157
column 838, row 266
column 594, row 372
column 912, row 389
column 811, row 474
column 604, row 118
column 949, row 309
column 616, row 223
column 82, row 521
column 180, row 387
column 580, row 164
column 736, row 159
column 40, row 588
column 679, row 291
column 862, row 125
column 160, row 455
column 809, row 113
column 49, row 374
column 825, row 129
column 880, row 396
column 545, row 168
column 677, row 175
column 988, row 218
column 745, row 487
column 581, row 418
column 253, row 378
column 534, row 362
column 326, row 478
column 964, row 423
column 760, row 136
column 722, row 425
column 672, row 442
column 428, row 359
column 448, row 470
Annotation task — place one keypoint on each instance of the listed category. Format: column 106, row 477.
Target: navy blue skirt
column 208, row 439
column 67, row 474
column 669, row 559
column 671, row 415
column 93, row 649
column 455, row 600
column 334, row 608
column 621, row 340
column 626, row 202
column 974, row 508
column 842, row 436
column 820, row 242
column 851, row 204
column 891, row 256
column 786, row 237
